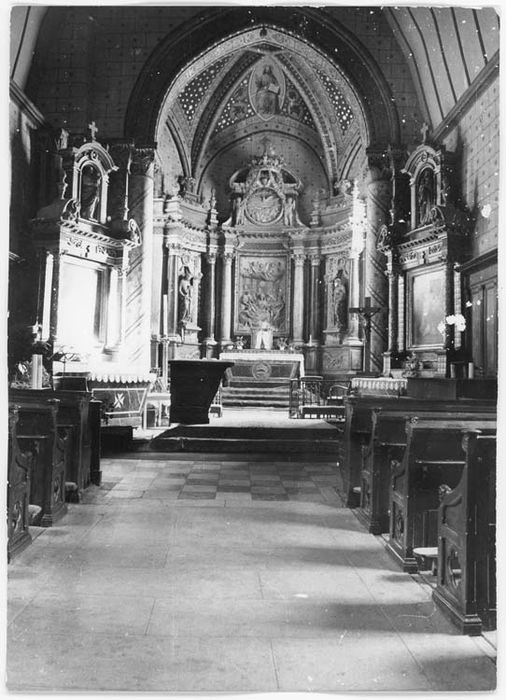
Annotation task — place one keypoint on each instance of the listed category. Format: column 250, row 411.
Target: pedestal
column 193, row 385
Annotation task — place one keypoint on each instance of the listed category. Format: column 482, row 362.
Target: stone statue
column 288, row 211
column 238, row 209
column 185, row 296
column 90, row 192
column 425, row 196
column 340, row 300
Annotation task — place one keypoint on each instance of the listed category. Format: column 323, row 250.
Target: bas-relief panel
column 262, row 293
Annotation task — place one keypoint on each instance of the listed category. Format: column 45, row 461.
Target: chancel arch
column 267, row 91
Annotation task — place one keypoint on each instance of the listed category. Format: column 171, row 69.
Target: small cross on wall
column 93, row 130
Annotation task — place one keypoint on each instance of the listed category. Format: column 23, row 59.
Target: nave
column 237, row 573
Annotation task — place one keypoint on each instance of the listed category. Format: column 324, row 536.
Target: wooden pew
column 18, row 490
column 433, row 457
column 38, row 432
column 466, row 580
column 358, row 428
column 388, row 442
column 79, row 418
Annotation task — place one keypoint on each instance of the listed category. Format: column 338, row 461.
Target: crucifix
column 365, row 314
column 93, row 130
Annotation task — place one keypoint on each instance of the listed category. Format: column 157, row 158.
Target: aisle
column 194, row 573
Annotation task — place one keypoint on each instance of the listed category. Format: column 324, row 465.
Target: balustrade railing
column 316, row 397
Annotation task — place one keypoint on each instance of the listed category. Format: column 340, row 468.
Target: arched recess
column 184, row 46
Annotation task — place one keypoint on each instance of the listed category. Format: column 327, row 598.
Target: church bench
column 38, row 432
column 466, row 578
column 18, row 490
column 78, row 416
column 358, row 427
column 433, row 458
column 388, row 442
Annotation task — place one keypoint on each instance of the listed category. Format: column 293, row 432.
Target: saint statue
column 340, row 301
column 185, row 296
column 425, row 196
column 90, row 192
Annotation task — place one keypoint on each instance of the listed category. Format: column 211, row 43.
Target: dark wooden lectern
column 193, row 385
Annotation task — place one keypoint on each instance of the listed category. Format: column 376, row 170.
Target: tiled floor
column 198, row 573
column 213, row 477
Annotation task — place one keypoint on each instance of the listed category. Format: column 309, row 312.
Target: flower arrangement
column 456, row 320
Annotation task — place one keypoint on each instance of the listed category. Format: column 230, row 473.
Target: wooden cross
column 93, row 130
column 423, row 130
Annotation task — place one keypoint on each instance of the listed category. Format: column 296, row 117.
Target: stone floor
column 189, row 573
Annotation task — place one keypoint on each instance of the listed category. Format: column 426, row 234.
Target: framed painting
column 425, row 306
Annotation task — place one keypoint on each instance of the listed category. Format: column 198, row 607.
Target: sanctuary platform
column 245, row 430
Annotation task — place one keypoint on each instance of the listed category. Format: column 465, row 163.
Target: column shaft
column 226, row 298
column 375, row 281
column 298, row 297
column 210, row 310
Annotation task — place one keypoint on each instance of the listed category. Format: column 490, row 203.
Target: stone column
column 226, row 297
column 449, row 339
column 46, row 259
column 173, row 265
column 393, row 303
column 393, row 312
column 140, row 199
column 315, row 282
column 54, row 305
column 378, row 205
column 210, row 310
column 123, row 273
column 298, row 296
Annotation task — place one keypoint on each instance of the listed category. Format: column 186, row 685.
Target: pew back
column 466, row 583
column 433, row 457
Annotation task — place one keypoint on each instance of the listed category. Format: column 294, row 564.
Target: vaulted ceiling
column 345, row 77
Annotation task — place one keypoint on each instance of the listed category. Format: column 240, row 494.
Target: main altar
column 269, row 367
column 271, row 284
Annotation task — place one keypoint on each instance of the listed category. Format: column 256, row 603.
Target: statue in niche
column 90, row 192
column 185, row 292
column 425, row 196
column 267, row 92
column 340, row 301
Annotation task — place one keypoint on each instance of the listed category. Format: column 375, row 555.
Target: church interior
column 252, row 348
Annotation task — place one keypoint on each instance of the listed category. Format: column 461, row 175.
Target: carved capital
column 228, row 256
column 298, row 258
column 142, row 161
column 121, row 154
column 379, row 164
column 211, row 257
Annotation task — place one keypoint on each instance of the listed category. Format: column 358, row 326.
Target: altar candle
column 470, row 370
column 164, row 315
column 453, row 371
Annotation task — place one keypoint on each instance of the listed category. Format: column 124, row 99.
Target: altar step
column 215, row 438
column 246, row 396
